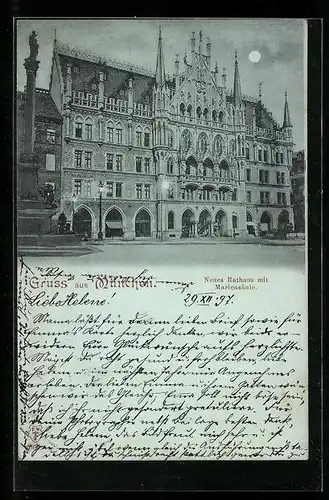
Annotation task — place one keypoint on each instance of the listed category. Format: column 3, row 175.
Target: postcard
column 162, row 271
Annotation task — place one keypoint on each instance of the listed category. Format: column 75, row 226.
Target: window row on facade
column 114, row 134
column 264, row 177
column 85, row 129
column 112, row 162
column 83, row 188
column 266, row 199
column 201, row 114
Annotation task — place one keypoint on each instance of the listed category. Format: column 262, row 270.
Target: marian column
column 28, row 162
column 31, row 66
column 34, row 212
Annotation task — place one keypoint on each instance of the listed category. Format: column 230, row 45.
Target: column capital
column 31, row 65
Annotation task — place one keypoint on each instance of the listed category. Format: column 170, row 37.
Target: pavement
column 203, row 241
column 91, row 247
column 188, row 254
column 57, row 251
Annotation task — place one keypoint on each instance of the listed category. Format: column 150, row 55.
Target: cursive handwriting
column 102, row 377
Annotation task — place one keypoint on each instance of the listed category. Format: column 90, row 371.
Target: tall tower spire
column 160, row 71
column 286, row 116
column 237, row 95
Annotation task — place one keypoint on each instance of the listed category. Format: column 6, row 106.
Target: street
column 201, row 254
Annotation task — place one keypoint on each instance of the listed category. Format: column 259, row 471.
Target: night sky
column 280, row 43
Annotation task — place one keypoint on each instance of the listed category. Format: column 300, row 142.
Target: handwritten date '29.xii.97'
column 161, row 285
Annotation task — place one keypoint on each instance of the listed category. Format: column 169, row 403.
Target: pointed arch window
column 170, row 139
column 214, row 116
column 265, row 155
column 203, row 142
column 118, row 133
column 186, row 140
column 89, row 129
column 78, row 128
column 110, row 132
column 220, row 117
column 171, row 220
column 198, row 112
column 182, row 109
column 206, row 114
column 147, row 138
column 189, row 111
column 218, row 145
column 170, row 166
column 138, row 136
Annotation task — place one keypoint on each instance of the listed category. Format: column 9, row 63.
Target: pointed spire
column 237, row 95
column 160, row 71
column 55, row 35
column 286, row 116
column 260, row 91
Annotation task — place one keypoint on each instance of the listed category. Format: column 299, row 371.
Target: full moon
column 254, row 56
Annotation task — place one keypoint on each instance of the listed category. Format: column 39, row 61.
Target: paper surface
column 161, row 281
column 161, row 364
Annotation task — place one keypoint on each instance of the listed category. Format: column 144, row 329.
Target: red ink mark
column 36, row 432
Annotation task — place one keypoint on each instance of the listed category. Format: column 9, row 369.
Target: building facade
column 297, row 175
column 47, row 138
column 147, row 155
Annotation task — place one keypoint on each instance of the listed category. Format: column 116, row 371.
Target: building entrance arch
column 143, row 224
column 204, row 226
column 188, row 224
column 220, row 227
column 114, row 224
column 82, row 222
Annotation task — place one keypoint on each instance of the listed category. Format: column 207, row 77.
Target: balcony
column 221, row 177
column 116, row 105
column 85, row 100
column 142, row 110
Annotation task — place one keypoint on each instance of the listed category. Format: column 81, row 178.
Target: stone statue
column 34, row 46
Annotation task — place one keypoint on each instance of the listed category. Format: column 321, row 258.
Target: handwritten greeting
column 172, row 372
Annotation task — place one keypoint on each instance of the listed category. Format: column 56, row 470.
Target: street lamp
column 74, row 199
column 165, row 184
column 100, row 190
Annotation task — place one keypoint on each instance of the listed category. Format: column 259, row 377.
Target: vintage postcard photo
column 161, row 240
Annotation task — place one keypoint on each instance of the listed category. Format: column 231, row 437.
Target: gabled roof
column 86, row 73
column 44, row 105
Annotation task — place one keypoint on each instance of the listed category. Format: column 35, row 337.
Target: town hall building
column 145, row 155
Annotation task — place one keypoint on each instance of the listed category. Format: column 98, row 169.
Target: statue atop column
column 34, row 46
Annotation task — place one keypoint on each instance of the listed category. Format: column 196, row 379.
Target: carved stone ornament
column 34, row 46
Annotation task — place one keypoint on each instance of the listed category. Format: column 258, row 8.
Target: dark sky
column 280, row 42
